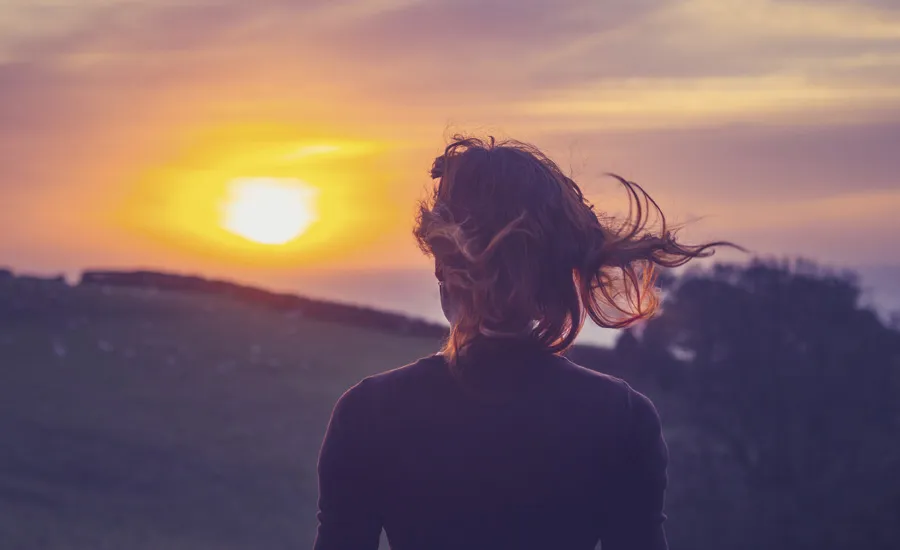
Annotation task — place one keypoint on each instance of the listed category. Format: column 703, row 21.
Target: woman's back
column 560, row 459
column 498, row 442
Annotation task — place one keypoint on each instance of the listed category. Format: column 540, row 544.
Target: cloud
column 826, row 192
column 572, row 65
column 661, row 102
column 767, row 51
column 473, row 57
column 713, row 99
column 882, row 4
column 706, row 167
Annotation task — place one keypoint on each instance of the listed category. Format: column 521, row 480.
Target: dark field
column 140, row 419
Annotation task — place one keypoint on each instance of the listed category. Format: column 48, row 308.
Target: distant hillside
column 315, row 309
column 321, row 310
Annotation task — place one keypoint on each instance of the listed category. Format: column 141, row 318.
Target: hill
column 139, row 418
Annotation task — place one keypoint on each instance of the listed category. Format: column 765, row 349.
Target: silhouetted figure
column 497, row 441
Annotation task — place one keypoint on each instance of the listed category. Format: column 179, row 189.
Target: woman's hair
column 521, row 252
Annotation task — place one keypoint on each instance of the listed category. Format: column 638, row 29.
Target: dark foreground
column 134, row 419
column 190, row 418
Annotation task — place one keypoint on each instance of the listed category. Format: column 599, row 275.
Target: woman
column 498, row 441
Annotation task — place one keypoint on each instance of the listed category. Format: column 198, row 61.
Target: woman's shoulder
column 430, row 367
column 592, row 380
column 610, row 388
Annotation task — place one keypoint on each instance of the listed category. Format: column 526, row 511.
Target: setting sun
column 269, row 210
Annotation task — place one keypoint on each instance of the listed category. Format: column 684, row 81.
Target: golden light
column 201, row 206
column 269, row 211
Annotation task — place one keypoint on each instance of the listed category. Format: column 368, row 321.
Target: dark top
column 528, row 451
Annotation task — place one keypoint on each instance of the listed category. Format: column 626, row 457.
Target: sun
column 269, row 211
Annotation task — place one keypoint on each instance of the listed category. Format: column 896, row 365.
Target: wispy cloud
column 665, row 102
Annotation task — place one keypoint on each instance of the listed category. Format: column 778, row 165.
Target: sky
column 772, row 123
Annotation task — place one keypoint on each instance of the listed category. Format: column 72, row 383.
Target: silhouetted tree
column 780, row 367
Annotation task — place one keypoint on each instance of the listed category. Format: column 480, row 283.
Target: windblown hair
column 522, row 252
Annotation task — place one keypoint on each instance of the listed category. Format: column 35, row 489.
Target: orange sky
column 774, row 122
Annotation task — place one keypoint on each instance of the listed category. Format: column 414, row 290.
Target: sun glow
column 269, row 211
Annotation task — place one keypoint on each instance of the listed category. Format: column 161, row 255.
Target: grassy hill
column 134, row 418
column 150, row 411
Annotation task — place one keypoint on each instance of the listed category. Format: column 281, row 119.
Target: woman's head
column 519, row 250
